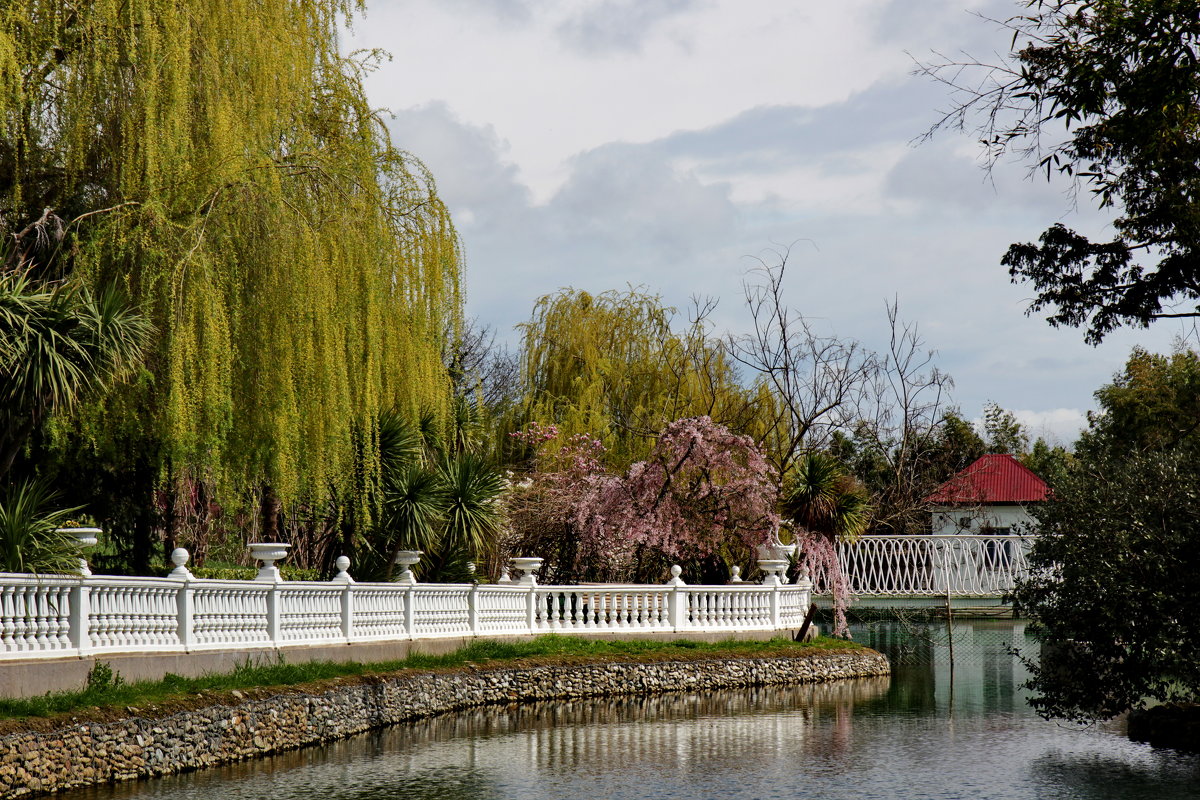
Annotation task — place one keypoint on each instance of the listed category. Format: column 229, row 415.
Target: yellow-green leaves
column 300, row 271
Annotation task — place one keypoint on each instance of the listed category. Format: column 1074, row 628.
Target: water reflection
column 923, row 733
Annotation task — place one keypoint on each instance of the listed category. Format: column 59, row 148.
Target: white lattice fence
column 963, row 565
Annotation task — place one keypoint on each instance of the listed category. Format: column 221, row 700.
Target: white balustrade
column 732, row 608
column 231, row 613
column 441, row 609
column 124, row 616
column 55, row 615
column 502, row 609
column 379, row 612
column 47, row 616
column 310, row 612
column 36, row 613
column 601, row 608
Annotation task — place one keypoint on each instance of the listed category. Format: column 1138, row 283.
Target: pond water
column 933, row 730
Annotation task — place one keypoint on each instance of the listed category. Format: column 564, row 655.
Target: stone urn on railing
column 526, row 569
column 85, row 538
column 407, row 559
column 268, row 553
column 773, row 559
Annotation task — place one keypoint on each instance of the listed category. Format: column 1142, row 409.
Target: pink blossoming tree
column 704, row 497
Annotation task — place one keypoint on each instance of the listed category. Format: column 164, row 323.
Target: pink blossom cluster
column 702, row 488
column 578, row 458
column 819, row 560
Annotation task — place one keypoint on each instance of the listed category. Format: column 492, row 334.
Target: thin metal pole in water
column 949, row 615
column 950, row 637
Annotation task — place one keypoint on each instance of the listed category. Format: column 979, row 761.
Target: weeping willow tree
column 219, row 162
column 612, row 366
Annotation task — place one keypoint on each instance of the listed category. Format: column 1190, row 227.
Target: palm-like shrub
column 413, row 509
column 58, row 342
column 826, row 504
column 472, row 516
column 822, row 498
column 444, row 504
column 29, row 537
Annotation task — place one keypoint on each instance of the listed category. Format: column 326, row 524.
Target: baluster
column 148, row 626
column 63, row 639
column 26, row 624
column 128, row 596
column 129, row 618
column 20, row 619
column 103, row 615
column 109, row 616
column 55, row 608
column 137, row 625
column 8, row 626
column 42, row 627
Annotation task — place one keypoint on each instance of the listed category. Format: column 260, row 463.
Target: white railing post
column 677, row 600
column 531, row 601
column 410, row 613
column 273, row 614
column 81, row 608
column 775, row 589
column 184, row 599
column 348, row 612
column 473, row 609
column 347, row 605
column 186, row 610
column 805, row 585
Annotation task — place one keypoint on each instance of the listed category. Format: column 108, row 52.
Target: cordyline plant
column 825, row 504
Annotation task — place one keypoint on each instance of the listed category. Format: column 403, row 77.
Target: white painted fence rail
column 964, row 565
column 53, row 616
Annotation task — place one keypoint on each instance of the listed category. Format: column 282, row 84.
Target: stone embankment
column 235, row 726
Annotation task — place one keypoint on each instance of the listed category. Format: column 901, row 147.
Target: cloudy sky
column 669, row 143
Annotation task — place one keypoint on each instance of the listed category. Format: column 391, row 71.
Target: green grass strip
column 106, row 688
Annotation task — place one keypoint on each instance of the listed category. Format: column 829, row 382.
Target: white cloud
column 665, row 155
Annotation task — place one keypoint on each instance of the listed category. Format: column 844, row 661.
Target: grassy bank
column 106, row 690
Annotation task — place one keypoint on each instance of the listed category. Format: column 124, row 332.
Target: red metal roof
column 992, row 479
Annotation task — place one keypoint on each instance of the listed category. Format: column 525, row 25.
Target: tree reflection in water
column 917, row 734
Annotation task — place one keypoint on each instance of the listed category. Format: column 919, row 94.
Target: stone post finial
column 735, row 574
column 343, row 565
column 179, row 557
column 676, row 571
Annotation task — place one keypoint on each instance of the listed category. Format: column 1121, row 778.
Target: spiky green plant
column 413, row 509
column 59, row 342
column 472, row 487
column 821, row 497
column 30, row 539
